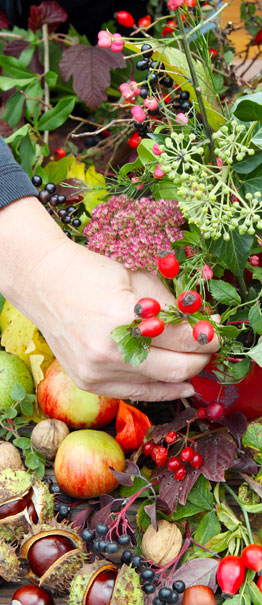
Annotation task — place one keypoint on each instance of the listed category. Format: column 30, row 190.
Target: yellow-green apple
column 61, row 399
column 82, row 463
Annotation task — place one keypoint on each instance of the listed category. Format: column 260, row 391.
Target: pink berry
column 158, row 172
column 181, row 119
column 206, row 272
column 151, row 104
column 156, row 149
column 118, row 43
column 174, row 4
column 138, row 113
column 104, row 39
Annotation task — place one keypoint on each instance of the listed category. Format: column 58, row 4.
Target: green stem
column 230, row 491
column 242, row 287
column 196, row 86
column 46, row 68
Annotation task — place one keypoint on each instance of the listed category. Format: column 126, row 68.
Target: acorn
column 10, row 567
column 55, row 552
column 101, row 581
column 24, row 501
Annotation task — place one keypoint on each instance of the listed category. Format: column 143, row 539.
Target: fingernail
column 188, row 391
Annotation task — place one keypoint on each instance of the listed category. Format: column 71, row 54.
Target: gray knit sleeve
column 14, row 182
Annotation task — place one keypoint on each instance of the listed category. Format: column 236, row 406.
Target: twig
column 46, row 68
column 94, row 132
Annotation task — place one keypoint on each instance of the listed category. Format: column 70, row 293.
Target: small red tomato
column 171, row 437
column 252, row 557
column 124, row 18
column 199, row 595
column 215, row 411
column 201, row 413
column 60, row 152
column 147, row 307
column 148, row 448
column 187, row 454
column 32, row 595
column 196, row 461
column 230, row 574
column 144, row 21
column 134, row 140
column 150, row 328
column 189, row 302
column 168, row 265
column 180, row 473
column 203, row 332
column 259, row 583
column 174, row 463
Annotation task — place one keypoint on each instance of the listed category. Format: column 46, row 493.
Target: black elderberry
column 66, row 219
column 112, row 548
column 54, row 200
column 101, row 529
column 96, row 545
column 144, row 92
column 179, row 586
column 61, row 199
column 49, row 210
column 148, row 574
column 137, row 562
column 44, row 196
column 157, row 601
column 124, row 540
column 88, row 535
column 176, row 105
column 62, row 212
column 167, row 82
column 153, row 112
column 165, row 593
column 148, row 588
column 36, row 180
column 76, row 222
column 174, row 597
column 54, row 488
column 103, row 545
column 147, row 50
column 184, row 95
column 50, row 187
column 142, row 64
column 68, row 234
column 70, row 209
column 186, row 106
column 152, row 79
column 127, row 557
column 63, row 512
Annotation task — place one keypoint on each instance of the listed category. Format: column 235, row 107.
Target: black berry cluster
column 50, row 199
column 100, row 543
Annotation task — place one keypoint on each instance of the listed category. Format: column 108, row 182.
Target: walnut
column 163, row 545
column 47, row 435
column 9, row 456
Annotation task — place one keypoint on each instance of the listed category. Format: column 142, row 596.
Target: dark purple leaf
column 218, row 452
column 173, row 491
column 81, row 519
column 49, row 12
column 4, row 21
column 90, row 67
column 245, row 464
column 159, row 432
column 104, row 515
column 150, row 510
column 127, row 478
column 15, row 49
column 237, row 425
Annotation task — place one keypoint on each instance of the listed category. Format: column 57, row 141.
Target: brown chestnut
column 32, row 595
column 15, row 506
column 101, row 589
column 32, row 512
column 199, row 595
column 45, row 551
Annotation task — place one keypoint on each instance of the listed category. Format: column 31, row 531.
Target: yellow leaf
column 96, row 189
column 76, row 170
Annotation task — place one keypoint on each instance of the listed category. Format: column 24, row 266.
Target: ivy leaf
column 90, row 67
column 224, row 292
column 47, row 12
column 218, row 452
column 256, row 352
column 235, row 252
column 255, row 318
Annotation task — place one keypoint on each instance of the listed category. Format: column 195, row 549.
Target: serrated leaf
column 23, row 442
column 201, row 494
column 208, row 527
column 253, row 437
column 17, row 392
column 142, row 518
column 90, row 67
column 50, row 13
column 134, row 350
column 218, row 452
column 198, row 572
column 256, row 352
column 172, row 492
column 224, row 292
column 255, row 318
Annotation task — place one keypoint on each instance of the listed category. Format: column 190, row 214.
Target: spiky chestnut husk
column 58, row 576
column 126, row 591
column 14, row 485
column 10, row 567
column 83, row 580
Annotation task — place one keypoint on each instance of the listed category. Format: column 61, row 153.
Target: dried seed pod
column 9, row 456
column 10, row 569
column 24, row 501
column 163, row 545
column 55, row 552
column 47, row 435
column 101, row 581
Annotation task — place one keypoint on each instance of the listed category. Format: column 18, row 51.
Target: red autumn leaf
column 218, row 452
column 131, row 426
column 49, row 12
column 4, row 21
column 90, row 67
column 173, row 491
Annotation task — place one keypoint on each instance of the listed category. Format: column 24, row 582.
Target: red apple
column 61, row 399
column 82, row 463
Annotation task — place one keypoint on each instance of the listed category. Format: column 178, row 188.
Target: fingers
column 179, row 337
column 157, row 391
column 170, row 366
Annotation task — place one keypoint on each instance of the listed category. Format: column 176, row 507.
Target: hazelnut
column 47, row 435
column 163, row 545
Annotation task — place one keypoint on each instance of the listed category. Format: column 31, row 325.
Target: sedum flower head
column 133, row 232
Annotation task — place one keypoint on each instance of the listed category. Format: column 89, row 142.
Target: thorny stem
column 46, row 68
column 196, row 86
column 230, row 491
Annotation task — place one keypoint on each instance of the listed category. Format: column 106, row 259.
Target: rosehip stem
column 244, row 511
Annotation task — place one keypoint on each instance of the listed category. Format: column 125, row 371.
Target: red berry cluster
column 176, row 464
column 151, row 325
column 213, row 411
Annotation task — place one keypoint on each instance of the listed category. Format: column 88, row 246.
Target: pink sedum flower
column 151, row 104
column 174, row 4
column 158, row 172
column 133, row 231
column 156, row 149
column 104, row 39
column 138, row 113
column 117, row 43
column 181, row 119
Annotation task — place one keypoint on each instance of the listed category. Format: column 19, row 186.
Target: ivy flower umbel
column 134, row 231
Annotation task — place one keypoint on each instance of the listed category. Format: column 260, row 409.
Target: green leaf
column 248, row 108
column 229, row 56
column 253, row 437
column 224, row 292
column 17, row 392
column 183, row 512
column 227, row 331
column 142, row 518
column 27, row 408
column 18, row 134
column 130, row 166
column 51, row 78
column 33, row 105
column 134, row 350
column 129, row 490
column 55, row 117
column 8, row 83
column 13, row 108
column 145, row 152
column 2, row 300
column 255, row 318
column 208, row 527
column 57, row 171
column 251, row 186
column 235, row 252
column 249, row 164
column 32, row 461
column 23, row 442
column 257, row 138
column 201, row 494
column 15, row 69
column 40, row 471
column 256, row 352
column 234, row 372
column 254, row 593
column 11, row 413
column 27, row 152
column 219, row 542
